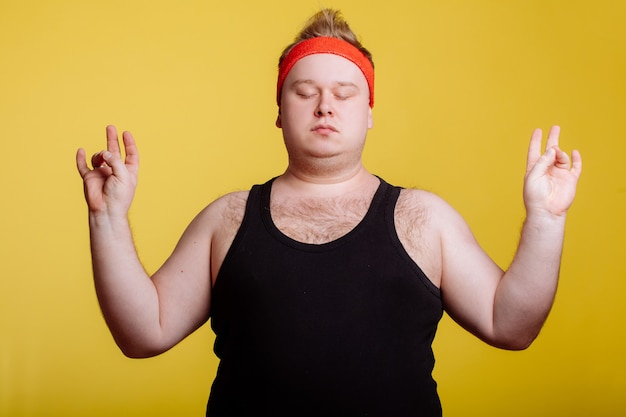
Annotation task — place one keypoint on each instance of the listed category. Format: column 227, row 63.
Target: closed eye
column 345, row 92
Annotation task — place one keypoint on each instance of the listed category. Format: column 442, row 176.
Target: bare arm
column 146, row 315
column 508, row 309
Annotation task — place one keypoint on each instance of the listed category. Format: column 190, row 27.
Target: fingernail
column 107, row 155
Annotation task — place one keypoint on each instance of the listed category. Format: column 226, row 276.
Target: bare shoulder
column 228, row 208
column 414, row 199
column 421, row 218
column 425, row 206
column 420, row 209
column 221, row 219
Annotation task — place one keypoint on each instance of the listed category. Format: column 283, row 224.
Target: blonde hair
column 329, row 23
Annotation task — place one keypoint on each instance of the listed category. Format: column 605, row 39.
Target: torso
column 318, row 221
column 316, row 299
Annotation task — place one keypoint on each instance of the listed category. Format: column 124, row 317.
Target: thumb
column 544, row 163
column 115, row 162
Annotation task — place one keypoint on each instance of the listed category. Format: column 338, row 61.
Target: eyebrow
column 311, row 82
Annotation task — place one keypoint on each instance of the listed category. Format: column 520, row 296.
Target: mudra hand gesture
column 110, row 184
column 551, row 178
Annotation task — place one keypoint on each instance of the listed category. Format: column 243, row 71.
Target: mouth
column 324, row 129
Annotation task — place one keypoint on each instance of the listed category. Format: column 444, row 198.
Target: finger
column 81, row 163
column 97, row 160
column 114, row 161
column 553, row 137
column 543, row 163
column 561, row 159
column 577, row 163
column 113, row 144
column 130, row 148
column 534, row 150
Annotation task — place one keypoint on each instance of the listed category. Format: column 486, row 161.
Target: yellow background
column 460, row 85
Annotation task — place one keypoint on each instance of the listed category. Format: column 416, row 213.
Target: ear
column 279, row 123
column 370, row 119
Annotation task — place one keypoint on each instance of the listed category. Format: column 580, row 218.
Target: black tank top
column 337, row 329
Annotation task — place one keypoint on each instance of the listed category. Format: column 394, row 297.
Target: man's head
column 326, row 32
column 325, row 94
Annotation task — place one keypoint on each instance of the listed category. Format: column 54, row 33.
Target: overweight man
column 325, row 285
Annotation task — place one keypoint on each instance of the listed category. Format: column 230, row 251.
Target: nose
column 324, row 107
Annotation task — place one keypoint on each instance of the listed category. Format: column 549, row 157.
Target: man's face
column 324, row 108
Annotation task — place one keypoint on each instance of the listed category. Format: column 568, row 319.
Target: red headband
column 326, row 45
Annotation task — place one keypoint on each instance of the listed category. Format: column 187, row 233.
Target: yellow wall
column 460, row 86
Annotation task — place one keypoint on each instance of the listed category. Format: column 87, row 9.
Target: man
column 325, row 285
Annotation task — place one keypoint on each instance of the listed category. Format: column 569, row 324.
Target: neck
column 327, row 183
column 327, row 169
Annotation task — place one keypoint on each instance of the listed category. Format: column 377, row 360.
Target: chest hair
column 318, row 221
